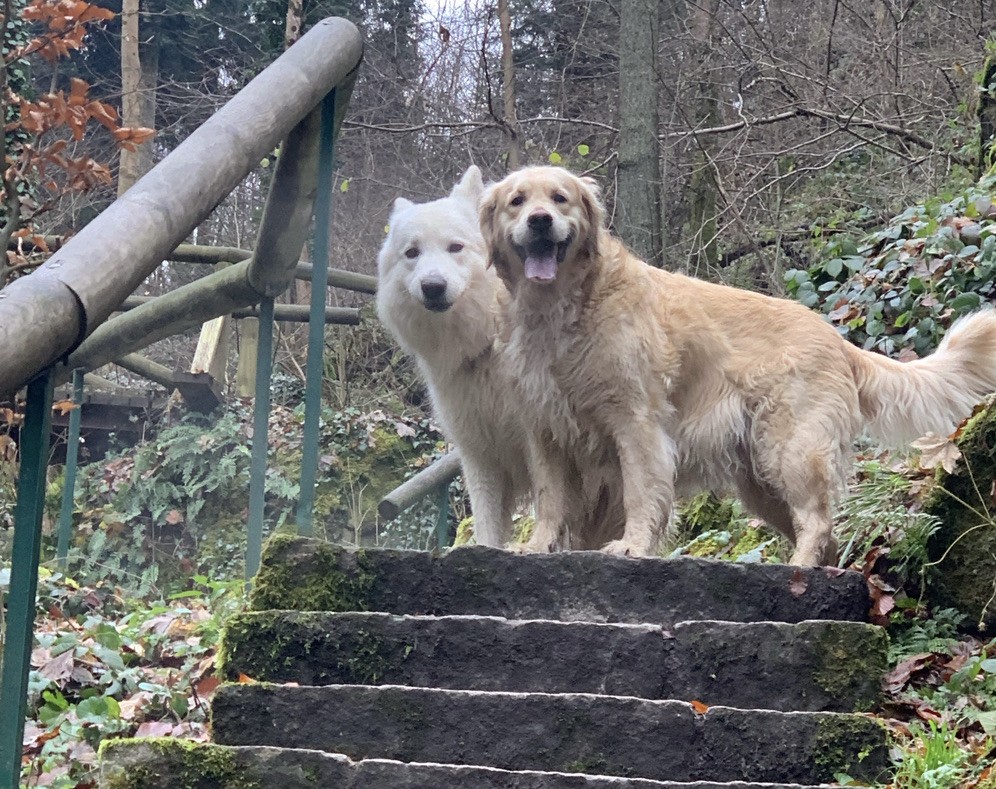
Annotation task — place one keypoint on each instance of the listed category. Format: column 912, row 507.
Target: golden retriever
column 690, row 385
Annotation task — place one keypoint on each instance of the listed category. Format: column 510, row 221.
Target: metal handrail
column 49, row 313
column 46, row 316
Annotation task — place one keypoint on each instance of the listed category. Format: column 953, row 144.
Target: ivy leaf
column 555, row 158
column 583, row 150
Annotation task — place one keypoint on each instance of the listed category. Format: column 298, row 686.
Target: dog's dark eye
column 559, row 198
column 454, row 248
column 412, row 252
column 517, row 200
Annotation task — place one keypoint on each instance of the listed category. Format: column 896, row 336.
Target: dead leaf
column 937, row 451
column 245, row 679
column 173, row 517
column 64, row 407
column 58, row 667
column 206, row 687
column 404, row 431
column 798, row 584
column 698, row 707
column 155, row 729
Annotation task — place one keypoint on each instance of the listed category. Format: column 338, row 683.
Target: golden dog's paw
column 533, row 546
column 623, row 548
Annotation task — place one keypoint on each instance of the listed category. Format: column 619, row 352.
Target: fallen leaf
column 798, row 583
column 937, row 451
column 245, row 679
column 206, row 687
column 155, row 729
column 58, row 667
column 699, row 707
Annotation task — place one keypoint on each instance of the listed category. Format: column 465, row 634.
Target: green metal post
column 69, row 482
column 316, row 322
column 443, row 536
column 35, row 435
column 260, row 442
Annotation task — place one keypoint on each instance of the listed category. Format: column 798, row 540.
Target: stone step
column 816, row 665
column 602, row 735
column 309, row 575
column 159, row 763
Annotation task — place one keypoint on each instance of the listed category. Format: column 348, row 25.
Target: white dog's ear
column 400, row 204
column 470, row 186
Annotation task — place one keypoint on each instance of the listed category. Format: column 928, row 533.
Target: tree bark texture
column 508, row 86
column 638, row 198
column 702, row 185
column 131, row 96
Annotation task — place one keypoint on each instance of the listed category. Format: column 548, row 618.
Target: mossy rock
column 849, row 744
column 963, row 549
column 150, row 763
column 328, row 578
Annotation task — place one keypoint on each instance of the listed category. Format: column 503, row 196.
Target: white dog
column 445, row 307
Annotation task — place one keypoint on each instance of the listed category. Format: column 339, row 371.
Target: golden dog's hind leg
column 548, row 468
column 809, row 483
column 648, row 458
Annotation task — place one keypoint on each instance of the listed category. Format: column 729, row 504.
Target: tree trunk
column 508, row 86
column 987, row 118
column 131, row 91
column 702, row 222
column 638, row 198
column 295, row 22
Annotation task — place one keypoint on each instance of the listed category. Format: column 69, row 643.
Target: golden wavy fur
column 688, row 385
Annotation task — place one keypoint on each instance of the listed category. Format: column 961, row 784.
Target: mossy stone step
column 605, row 735
column 309, row 575
column 175, row 764
column 816, row 666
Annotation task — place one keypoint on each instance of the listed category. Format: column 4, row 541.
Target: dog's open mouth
column 436, row 305
column 541, row 258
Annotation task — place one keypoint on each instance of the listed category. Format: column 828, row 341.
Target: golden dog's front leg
column 648, row 459
column 548, row 469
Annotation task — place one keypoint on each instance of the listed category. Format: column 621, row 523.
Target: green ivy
column 898, row 288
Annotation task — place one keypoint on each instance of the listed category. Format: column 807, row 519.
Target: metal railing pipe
column 113, row 254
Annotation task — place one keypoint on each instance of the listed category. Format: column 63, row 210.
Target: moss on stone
column 850, row 744
column 148, row 763
column 851, row 659
column 267, row 645
column 964, row 546
column 326, row 577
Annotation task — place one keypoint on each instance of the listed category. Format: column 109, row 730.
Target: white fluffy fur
column 453, row 349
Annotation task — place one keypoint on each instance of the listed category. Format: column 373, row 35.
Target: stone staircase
column 481, row 669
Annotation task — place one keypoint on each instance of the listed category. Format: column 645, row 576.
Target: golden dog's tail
column 901, row 401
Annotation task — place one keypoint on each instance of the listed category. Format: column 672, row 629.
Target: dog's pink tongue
column 541, row 268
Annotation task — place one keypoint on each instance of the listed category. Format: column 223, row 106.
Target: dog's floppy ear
column 488, row 212
column 594, row 212
column 470, row 186
column 488, row 209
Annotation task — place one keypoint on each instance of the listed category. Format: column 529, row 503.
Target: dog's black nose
column 540, row 220
column 433, row 288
